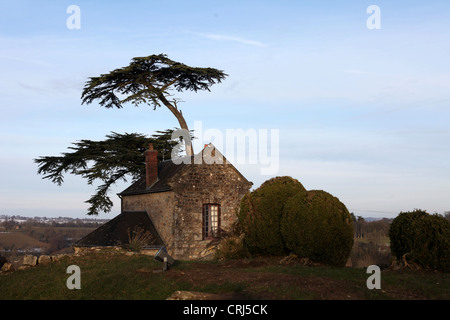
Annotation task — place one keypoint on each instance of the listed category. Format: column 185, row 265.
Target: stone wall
column 178, row 214
column 31, row 261
column 159, row 207
column 116, row 249
column 198, row 185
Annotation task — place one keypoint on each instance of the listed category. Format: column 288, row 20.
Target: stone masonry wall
column 198, row 185
column 159, row 207
column 178, row 214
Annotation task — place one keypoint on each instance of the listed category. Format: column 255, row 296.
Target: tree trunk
column 183, row 125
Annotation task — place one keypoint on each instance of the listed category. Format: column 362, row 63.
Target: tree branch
column 164, row 87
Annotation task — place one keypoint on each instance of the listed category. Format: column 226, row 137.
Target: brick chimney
column 151, row 165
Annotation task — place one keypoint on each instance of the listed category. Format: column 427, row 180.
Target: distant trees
column 34, row 235
column 372, row 229
column 9, row 224
column 447, row 215
column 359, row 225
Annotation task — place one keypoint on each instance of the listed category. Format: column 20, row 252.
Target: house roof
column 167, row 169
column 117, row 230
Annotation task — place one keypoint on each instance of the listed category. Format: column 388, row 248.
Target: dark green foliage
column 261, row 211
column 318, row 226
column 402, row 232
column 281, row 216
column 422, row 238
column 432, row 244
column 116, row 158
column 148, row 80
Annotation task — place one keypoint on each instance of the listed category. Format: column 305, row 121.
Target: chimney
column 151, row 166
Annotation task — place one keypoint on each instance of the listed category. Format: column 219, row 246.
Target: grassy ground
column 103, row 276
column 108, row 276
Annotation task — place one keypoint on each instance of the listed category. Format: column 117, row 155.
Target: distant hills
column 51, row 221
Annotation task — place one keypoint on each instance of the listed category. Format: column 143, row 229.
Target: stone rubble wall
column 32, row 261
column 29, row 261
column 198, row 185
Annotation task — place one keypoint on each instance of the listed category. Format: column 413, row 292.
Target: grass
column 113, row 276
column 103, row 276
column 427, row 284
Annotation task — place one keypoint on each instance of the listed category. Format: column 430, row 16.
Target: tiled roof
column 116, row 231
column 166, row 169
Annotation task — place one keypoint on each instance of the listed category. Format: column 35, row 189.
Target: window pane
column 214, row 218
column 210, row 220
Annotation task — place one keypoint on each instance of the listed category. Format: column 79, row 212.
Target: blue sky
column 362, row 113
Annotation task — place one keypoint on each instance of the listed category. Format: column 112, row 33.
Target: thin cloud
column 355, row 71
column 33, row 88
column 54, row 86
column 26, row 60
column 222, row 37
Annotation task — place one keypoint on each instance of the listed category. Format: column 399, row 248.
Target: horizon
column 50, row 218
column 361, row 101
column 96, row 218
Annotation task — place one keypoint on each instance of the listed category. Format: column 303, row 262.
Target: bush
column 282, row 217
column 138, row 238
column 403, row 231
column 261, row 211
column 421, row 238
column 231, row 247
column 318, row 226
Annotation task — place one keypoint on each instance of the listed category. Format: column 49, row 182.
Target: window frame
column 207, row 221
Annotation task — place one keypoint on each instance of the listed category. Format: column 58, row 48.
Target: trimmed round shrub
column 261, row 211
column 318, row 226
column 423, row 238
column 402, row 232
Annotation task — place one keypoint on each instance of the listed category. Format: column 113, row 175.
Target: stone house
column 185, row 203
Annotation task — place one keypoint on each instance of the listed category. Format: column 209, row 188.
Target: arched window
column 211, row 220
